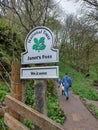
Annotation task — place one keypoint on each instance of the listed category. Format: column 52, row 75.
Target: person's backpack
column 62, row 88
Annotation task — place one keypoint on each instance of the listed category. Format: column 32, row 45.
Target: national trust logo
column 39, row 44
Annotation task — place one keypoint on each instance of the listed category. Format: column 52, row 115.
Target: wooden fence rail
column 34, row 116
column 13, row 123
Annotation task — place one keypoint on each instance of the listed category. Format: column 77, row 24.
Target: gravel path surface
column 78, row 116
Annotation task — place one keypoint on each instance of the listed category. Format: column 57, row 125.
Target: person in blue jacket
column 67, row 82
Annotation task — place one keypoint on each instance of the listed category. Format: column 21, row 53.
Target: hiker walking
column 67, row 82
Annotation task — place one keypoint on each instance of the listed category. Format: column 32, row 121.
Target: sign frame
column 39, row 47
column 46, row 72
column 40, row 72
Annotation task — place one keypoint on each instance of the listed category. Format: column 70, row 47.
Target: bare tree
column 29, row 13
column 78, row 42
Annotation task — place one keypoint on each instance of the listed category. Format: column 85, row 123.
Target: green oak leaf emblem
column 39, row 44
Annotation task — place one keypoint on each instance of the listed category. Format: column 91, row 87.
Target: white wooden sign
column 39, row 47
column 39, row 72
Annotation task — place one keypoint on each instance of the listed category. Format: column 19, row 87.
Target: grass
column 80, row 84
column 93, row 109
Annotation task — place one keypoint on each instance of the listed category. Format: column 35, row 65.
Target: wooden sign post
column 38, row 50
column 16, row 86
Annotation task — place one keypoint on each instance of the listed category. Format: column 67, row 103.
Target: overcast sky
column 69, row 6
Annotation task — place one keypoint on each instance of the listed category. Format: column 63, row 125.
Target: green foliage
column 2, row 124
column 82, row 87
column 2, row 95
column 54, row 111
column 3, row 87
column 85, row 92
column 50, row 87
column 93, row 109
column 93, row 72
column 11, row 43
column 3, row 91
column 29, row 95
column 5, row 42
column 28, row 124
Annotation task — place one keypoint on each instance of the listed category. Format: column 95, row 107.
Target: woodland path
column 78, row 116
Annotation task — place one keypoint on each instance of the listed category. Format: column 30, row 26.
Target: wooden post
column 40, row 98
column 16, row 86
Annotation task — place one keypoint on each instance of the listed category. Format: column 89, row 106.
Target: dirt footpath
column 78, row 117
